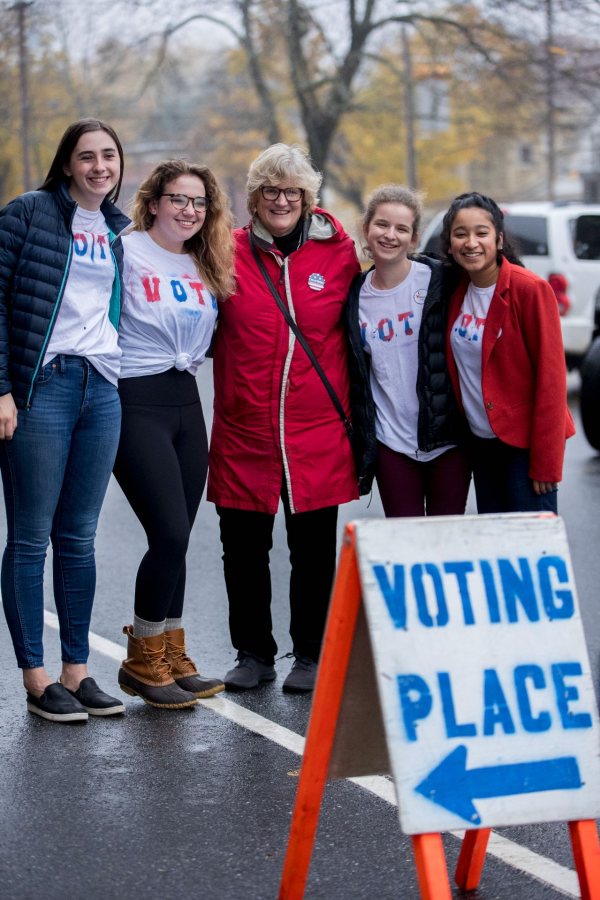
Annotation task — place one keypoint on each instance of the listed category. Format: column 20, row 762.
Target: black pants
column 161, row 466
column 247, row 539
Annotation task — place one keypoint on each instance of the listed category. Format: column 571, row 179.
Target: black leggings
column 161, row 466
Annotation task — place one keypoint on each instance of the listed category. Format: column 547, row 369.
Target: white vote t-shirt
column 168, row 316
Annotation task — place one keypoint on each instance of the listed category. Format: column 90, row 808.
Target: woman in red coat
column 506, row 362
column 276, row 432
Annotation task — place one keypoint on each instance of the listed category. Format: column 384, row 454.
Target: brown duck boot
column 183, row 669
column 147, row 674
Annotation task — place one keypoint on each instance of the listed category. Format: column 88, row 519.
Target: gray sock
column 172, row 624
column 144, row 629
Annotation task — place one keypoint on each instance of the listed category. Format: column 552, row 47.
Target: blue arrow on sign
column 454, row 787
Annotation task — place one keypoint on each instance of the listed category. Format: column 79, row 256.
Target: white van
column 561, row 242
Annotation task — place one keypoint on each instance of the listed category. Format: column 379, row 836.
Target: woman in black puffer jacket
column 60, row 286
column 402, row 396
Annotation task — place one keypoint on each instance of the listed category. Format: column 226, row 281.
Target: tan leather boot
column 146, row 673
column 184, row 670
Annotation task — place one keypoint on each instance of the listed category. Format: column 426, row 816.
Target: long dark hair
column 465, row 201
column 56, row 174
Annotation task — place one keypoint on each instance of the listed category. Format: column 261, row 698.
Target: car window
column 585, row 232
column 434, row 244
column 529, row 234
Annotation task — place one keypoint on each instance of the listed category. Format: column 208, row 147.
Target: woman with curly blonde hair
column 277, row 434
column 178, row 261
column 211, row 246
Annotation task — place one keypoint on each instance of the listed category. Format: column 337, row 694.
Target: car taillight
column 558, row 283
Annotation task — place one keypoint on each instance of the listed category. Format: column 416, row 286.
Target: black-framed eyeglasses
column 292, row 195
column 180, row 201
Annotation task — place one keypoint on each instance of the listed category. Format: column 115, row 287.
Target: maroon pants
column 411, row 488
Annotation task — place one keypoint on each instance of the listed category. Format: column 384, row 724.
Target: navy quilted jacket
column 36, row 246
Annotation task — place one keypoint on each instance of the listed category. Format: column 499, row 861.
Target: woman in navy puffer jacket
column 60, row 283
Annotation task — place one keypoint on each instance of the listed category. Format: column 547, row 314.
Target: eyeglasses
column 292, row 195
column 180, row 201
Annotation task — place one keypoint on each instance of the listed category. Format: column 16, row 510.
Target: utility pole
column 20, row 8
column 409, row 111
column 550, row 66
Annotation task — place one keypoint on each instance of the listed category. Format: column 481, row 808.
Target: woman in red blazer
column 506, row 362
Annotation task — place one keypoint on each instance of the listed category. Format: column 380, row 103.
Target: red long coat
column 273, row 418
column 523, row 374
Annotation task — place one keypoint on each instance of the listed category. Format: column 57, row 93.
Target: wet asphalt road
column 188, row 803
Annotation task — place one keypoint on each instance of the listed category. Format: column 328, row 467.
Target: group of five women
column 418, row 372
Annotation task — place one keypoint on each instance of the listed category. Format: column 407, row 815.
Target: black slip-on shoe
column 302, row 676
column 248, row 673
column 57, row 704
column 95, row 701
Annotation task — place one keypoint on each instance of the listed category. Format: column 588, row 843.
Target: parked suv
column 561, row 242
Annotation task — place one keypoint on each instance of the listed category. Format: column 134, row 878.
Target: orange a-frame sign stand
column 586, row 854
column 427, row 848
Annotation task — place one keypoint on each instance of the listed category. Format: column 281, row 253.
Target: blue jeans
column 501, row 478
column 55, row 472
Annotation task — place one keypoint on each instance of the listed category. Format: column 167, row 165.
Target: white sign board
column 482, row 670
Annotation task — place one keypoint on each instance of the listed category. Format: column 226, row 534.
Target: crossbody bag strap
column 300, row 337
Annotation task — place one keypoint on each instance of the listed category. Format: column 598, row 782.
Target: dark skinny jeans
column 502, row 482
column 408, row 487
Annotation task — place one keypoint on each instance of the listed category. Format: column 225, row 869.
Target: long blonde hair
column 211, row 248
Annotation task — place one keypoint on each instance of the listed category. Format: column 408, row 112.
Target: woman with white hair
column 278, row 429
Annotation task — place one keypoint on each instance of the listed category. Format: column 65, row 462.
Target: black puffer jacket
column 439, row 420
column 36, row 246
column 364, row 443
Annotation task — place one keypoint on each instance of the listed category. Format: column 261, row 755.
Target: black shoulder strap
column 300, row 337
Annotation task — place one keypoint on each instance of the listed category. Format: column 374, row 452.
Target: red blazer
column 523, row 372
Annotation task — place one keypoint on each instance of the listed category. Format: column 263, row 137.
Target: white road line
column 539, row 867
column 253, row 722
